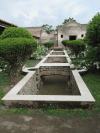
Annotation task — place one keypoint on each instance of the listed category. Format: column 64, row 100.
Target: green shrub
column 40, row 51
column 65, row 43
column 92, row 59
column 76, row 46
column 14, row 32
column 92, row 36
column 16, row 51
column 16, row 47
column 4, row 65
column 48, row 44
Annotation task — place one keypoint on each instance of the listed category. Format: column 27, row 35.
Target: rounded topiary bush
column 14, row 32
column 76, row 46
column 16, row 46
column 48, row 44
column 16, row 51
column 65, row 43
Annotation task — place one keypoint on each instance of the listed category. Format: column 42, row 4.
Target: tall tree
column 48, row 28
column 57, row 27
column 92, row 38
column 68, row 20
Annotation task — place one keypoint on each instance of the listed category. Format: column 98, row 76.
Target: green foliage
column 40, row 51
column 76, row 46
column 14, row 32
column 4, row 65
column 48, row 44
column 16, row 51
column 16, row 47
column 68, row 20
column 48, row 28
column 57, row 27
column 65, row 43
column 65, row 21
column 92, row 36
column 31, row 63
column 3, row 80
column 21, row 111
column 92, row 80
column 93, row 58
column 89, row 59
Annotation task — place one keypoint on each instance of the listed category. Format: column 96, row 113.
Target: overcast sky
column 35, row 13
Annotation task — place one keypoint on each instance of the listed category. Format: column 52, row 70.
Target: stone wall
column 30, row 88
column 71, row 29
column 55, row 40
column 57, row 53
column 73, row 85
column 55, row 70
column 24, row 93
column 38, row 77
column 56, row 60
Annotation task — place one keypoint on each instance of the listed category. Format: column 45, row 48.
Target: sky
column 35, row 13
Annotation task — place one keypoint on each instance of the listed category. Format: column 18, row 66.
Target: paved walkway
column 40, row 123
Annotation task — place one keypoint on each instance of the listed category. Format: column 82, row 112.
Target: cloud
column 27, row 13
column 76, row 10
column 69, row 6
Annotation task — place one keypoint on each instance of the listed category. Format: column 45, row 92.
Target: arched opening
column 72, row 37
column 82, row 35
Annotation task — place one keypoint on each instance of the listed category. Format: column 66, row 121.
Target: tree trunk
column 12, row 70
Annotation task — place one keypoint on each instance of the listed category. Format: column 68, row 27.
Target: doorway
column 72, row 37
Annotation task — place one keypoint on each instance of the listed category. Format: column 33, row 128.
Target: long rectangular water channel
column 53, row 79
column 54, row 85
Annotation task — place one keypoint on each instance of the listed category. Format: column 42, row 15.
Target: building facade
column 40, row 35
column 69, row 31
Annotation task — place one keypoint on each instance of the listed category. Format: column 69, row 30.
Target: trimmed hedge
column 14, row 32
column 16, row 46
column 65, row 42
column 48, row 44
column 77, row 46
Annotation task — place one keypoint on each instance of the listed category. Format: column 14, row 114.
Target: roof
column 53, row 32
column 35, row 31
column 6, row 24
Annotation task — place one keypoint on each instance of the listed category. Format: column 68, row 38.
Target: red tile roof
column 5, row 22
column 35, row 31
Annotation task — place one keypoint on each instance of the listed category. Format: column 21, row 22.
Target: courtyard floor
column 41, row 123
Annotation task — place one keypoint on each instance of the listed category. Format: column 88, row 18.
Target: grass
column 31, row 63
column 4, row 79
column 93, row 83
column 91, row 80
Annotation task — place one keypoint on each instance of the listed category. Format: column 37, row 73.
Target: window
column 61, row 36
column 82, row 35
